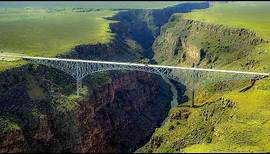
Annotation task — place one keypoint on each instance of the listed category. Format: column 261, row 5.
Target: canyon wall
column 142, row 26
column 118, row 111
column 123, row 106
column 187, row 41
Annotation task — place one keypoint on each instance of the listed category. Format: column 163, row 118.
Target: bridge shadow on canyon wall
column 120, row 111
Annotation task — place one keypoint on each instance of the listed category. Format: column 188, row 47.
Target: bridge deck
column 148, row 65
column 137, row 64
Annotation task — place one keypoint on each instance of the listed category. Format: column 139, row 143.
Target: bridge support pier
column 81, row 68
column 194, row 77
column 79, row 86
column 192, row 91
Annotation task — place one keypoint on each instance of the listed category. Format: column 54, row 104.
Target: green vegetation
column 83, row 94
column 251, row 15
column 35, row 113
column 187, row 126
column 223, row 119
column 39, row 32
column 243, row 125
column 91, row 5
column 254, row 16
column 235, row 122
column 222, row 49
column 51, row 28
column 8, row 125
column 63, row 104
column 68, row 103
column 248, row 130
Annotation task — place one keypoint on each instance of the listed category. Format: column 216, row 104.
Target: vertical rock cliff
column 114, row 110
column 141, row 27
column 220, row 115
column 186, row 41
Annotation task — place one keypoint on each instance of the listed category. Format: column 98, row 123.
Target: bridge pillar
column 193, row 87
column 79, row 86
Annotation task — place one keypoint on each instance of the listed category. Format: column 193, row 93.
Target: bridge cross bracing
column 189, row 76
column 79, row 69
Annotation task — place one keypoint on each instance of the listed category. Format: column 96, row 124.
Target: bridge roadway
column 78, row 69
column 147, row 65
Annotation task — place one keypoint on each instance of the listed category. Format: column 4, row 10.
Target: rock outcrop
column 188, row 41
column 143, row 25
column 130, row 106
column 120, row 110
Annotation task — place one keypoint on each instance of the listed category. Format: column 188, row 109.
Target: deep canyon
column 119, row 111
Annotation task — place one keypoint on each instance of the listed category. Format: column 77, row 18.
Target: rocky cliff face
column 116, row 50
column 187, row 41
column 190, row 126
column 118, row 111
column 135, row 34
column 128, row 106
column 184, row 42
column 143, row 26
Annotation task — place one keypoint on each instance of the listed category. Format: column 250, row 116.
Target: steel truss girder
column 194, row 78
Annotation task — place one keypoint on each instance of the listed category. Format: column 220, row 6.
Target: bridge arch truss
column 79, row 69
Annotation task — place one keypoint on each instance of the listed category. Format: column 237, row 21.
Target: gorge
column 40, row 114
column 120, row 111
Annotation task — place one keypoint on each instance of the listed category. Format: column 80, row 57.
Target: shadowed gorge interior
column 129, row 110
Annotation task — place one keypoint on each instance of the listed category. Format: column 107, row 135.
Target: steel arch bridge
column 188, row 76
column 79, row 69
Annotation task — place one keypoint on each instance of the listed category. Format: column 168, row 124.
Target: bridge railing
column 191, row 77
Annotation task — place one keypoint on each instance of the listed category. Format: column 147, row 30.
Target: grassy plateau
column 40, row 32
column 51, row 28
column 254, row 16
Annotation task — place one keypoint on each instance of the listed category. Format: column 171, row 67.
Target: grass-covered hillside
column 92, row 4
column 48, row 32
column 251, row 15
column 50, row 28
column 228, row 116
column 254, row 16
